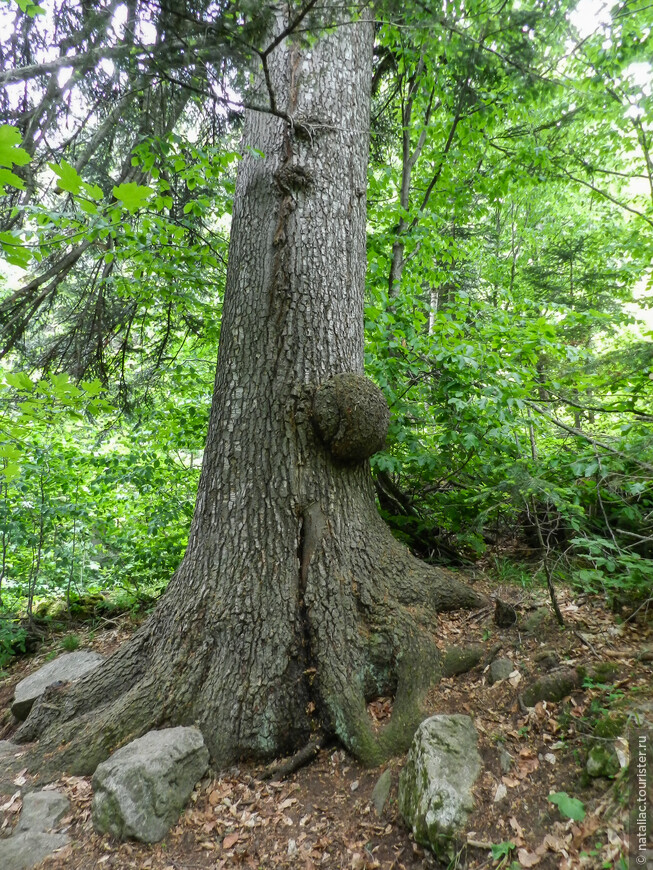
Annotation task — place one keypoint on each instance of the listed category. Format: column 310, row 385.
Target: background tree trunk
column 293, row 604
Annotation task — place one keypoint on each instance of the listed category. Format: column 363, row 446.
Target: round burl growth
column 351, row 416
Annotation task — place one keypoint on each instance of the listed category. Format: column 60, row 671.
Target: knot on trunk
column 351, row 416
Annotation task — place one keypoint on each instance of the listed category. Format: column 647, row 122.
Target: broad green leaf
column 9, row 177
column 9, row 451
column 29, row 8
column 93, row 190
column 10, row 153
column 91, row 388
column 68, row 177
column 88, row 207
column 10, row 471
column 14, row 250
column 20, row 380
column 132, row 196
column 500, row 850
column 570, row 807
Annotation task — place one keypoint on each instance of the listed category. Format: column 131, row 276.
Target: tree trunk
column 293, row 604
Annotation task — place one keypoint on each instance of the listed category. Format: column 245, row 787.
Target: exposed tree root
column 369, row 616
column 283, row 769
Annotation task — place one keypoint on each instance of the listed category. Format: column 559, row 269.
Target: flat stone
column 435, row 786
column 34, row 838
column 42, row 810
column 382, row 791
column 141, row 789
column 500, row 669
column 505, row 760
column 22, row 851
column 65, row 668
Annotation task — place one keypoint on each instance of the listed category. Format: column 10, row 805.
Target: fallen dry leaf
column 12, row 805
column 288, row 803
column 528, row 859
column 230, row 841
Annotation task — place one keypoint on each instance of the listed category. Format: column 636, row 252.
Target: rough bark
column 293, row 604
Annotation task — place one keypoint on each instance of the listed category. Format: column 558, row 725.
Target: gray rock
column 435, row 786
column 505, row 760
column 7, row 748
column 142, row 788
column 34, row 838
column 42, row 810
column 500, row 669
column 22, row 851
column 382, row 791
column 65, row 668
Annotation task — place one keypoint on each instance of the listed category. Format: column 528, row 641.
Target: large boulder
column 435, row 786
column 65, row 668
column 142, row 788
column 35, row 836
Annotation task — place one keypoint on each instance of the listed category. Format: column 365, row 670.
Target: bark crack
column 312, row 528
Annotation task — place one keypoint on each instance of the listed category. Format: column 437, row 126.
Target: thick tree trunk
column 293, row 604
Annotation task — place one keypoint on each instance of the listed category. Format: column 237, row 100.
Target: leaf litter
column 323, row 817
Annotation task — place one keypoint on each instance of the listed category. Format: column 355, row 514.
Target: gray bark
column 293, row 603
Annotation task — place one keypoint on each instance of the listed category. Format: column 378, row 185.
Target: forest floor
column 323, row 816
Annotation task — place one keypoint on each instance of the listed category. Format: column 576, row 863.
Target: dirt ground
column 323, row 817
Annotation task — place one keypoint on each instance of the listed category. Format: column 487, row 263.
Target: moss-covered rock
column 610, row 725
column 604, row 672
column 602, row 760
column 537, row 621
column 461, row 659
column 547, row 659
column 553, row 687
column 435, row 786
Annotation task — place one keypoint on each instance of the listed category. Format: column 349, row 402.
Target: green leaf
column 93, row 190
column 30, row 8
column 68, row 177
column 88, row 207
column 132, row 196
column 9, row 177
column 570, row 807
column 19, row 380
column 10, row 471
column 9, row 451
column 500, row 850
column 91, row 388
column 14, row 250
column 10, row 153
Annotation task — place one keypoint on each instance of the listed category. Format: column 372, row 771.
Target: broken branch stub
column 351, row 417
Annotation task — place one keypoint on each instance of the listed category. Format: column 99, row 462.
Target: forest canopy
column 507, row 320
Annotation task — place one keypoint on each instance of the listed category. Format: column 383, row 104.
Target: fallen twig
column 281, row 769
